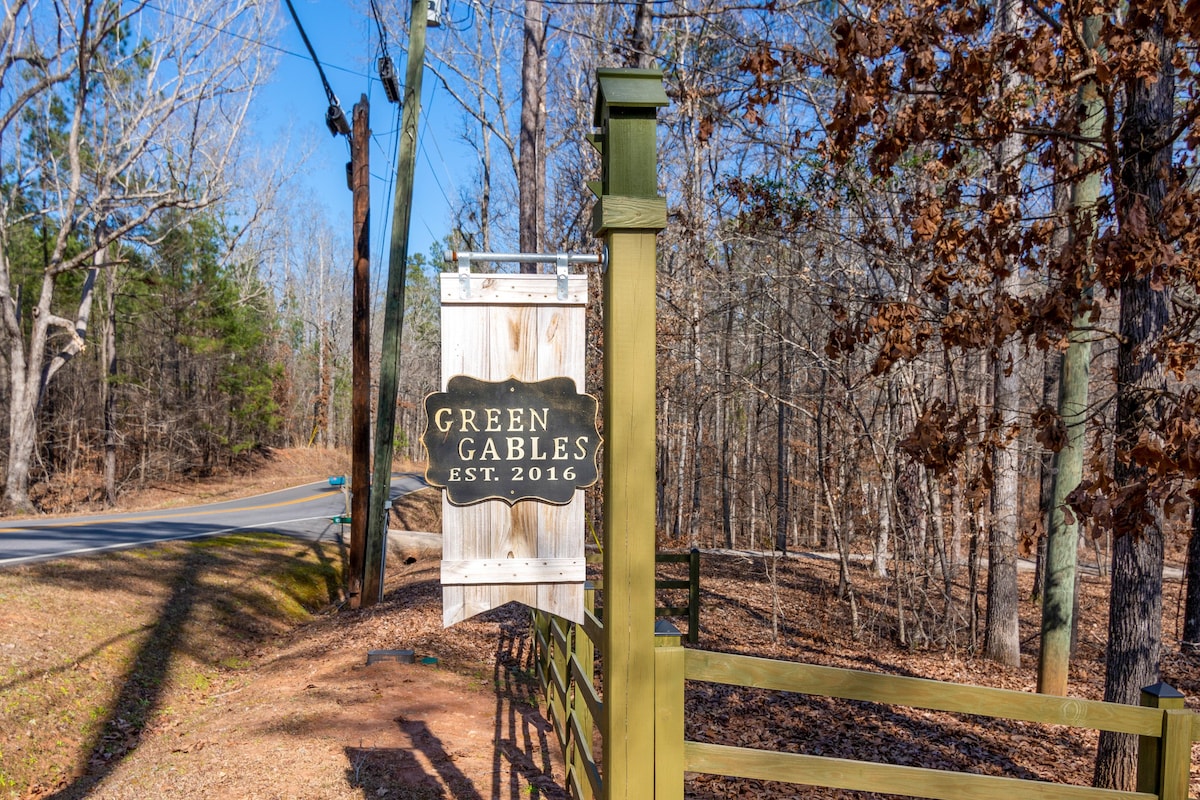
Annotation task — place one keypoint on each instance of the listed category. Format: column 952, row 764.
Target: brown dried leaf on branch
column 935, row 441
column 1051, row 431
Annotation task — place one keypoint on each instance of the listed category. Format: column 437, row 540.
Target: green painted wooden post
column 628, row 215
column 1159, row 772
column 693, row 633
column 668, row 711
column 560, row 681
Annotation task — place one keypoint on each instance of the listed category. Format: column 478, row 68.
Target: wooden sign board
column 522, row 328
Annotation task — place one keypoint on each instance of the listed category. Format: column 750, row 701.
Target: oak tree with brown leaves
column 927, row 86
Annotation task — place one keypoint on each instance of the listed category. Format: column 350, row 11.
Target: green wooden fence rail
column 565, row 657
column 1167, row 731
column 691, row 611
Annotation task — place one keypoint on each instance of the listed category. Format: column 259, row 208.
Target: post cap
column 628, row 88
column 1163, row 691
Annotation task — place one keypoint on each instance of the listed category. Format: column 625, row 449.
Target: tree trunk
column 1051, row 369
column 108, row 388
column 641, row 53
column 724, row 431
column 1135, row 605
column 1190, row 640
column 22, row 397
column 531, row 165
column 781, row 453
column 1062, row 545
column 1002, row 640
column 1191, row 604
column 29, row 371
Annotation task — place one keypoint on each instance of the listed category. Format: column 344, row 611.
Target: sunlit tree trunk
column 531, row 166
column 108, row 388
column 1062, row 531
column 1002, row 641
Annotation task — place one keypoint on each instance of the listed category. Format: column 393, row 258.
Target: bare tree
column 473, row 64
column 1002, row 638
column 531, row 167
column 113, row 114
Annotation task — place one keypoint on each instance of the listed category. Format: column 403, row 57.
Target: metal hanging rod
column 528, row 258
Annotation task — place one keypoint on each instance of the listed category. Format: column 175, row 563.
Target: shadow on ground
column 207, row 617
column 521, row 766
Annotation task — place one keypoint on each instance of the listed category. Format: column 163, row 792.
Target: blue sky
column 346, row 41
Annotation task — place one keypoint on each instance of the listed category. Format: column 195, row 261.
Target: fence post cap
column 1162, row 691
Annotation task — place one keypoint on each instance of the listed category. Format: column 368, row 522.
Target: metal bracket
column 561, row 269
column 464, row 273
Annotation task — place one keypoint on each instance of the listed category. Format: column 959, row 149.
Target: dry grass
column 97, row 652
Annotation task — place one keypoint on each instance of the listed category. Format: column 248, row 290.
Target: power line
column 441, row 156
column 379, row 24
column 320, row 70
column 385, row 228
column 250, row 39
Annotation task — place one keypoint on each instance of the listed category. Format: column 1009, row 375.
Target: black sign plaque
column 510, row 440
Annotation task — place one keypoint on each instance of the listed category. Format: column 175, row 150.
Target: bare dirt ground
column 311, row 719
column 247, row 695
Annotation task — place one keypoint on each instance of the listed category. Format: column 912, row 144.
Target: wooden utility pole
column 360, row 403
column 393, row 315
column 628, row 215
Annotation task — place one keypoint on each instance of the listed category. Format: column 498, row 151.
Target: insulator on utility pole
column 335, row 119
column 387, row 76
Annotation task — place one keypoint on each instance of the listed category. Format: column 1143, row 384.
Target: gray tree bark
column 531, row 166
column 1191, row 605
column 1002, row 641
column 1135, row 604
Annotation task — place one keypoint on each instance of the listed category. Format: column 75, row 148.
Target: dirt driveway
column 314, row 720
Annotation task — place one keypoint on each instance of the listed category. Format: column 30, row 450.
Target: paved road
column 305, row 511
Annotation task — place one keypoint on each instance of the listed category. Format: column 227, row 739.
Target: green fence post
column 1158, row 758
column 541, row 633
column 560, row 688
column 693, row 633
column 628, row 214
column 668, row 722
